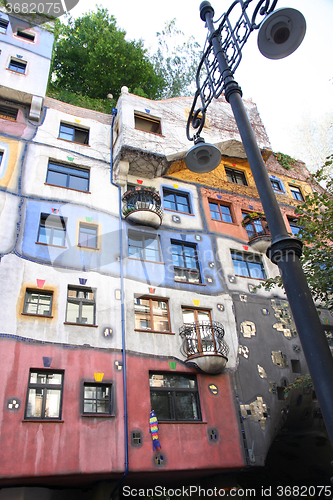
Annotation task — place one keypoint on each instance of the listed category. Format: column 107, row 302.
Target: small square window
column 295, row 228
column 147, row 123
column 296, row 193
column 144, row 246
column 295, row 365
column 177, row 201
column 236, row 176
column 87, row 235
column 26, row 35
column 81, row 306
column 3, row 26
column 52, row 230
column 151, row 314
column 38, row 303
column 73, row 133
column 248, row 265
column 8, row 112
column 96, row 399
column 276, row 185
column 221, row 212
column 1, row 156
column 18, row 66
column 44, row 397
column 67, row 176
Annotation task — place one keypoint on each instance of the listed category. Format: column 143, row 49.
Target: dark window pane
column 78, row 183
column 186, row 406
column 162, row 404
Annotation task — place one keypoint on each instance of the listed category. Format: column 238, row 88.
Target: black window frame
column 1, row 156
column 248, row 258
column 8, row 112
column 233, row 175
column 221, row 214
column 40, row 293
column 3, row 26
column 90, row 227
column 25, row 35
column 109, row 399
column 296, row 192
column 52, row 222
column 177, row 204
column 17, row 65
column 70, row 172
column 276, row 185
column 143, row 237
column 81, row 301
column 174, row 390
column 76, row 131
column 187, row 270
column 44, row 387
column 293, row 224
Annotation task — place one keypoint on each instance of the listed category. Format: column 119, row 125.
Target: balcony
column 203, row 345
column 257, row 231
column 143, row 206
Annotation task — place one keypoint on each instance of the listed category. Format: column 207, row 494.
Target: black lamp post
column 280, row 33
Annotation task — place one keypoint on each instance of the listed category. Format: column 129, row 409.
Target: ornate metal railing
column 204, row 338
column 142, row 198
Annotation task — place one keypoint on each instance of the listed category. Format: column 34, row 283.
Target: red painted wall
column 184, row 445
column 78, row 445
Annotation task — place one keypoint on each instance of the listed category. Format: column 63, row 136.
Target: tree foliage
column 315, row 219
column 92, row 58
column 176, row 61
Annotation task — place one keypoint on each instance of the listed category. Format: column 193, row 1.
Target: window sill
column 80, row 324
column 144, row 260
column 43, row 420
column 89, row 248
column 49, row 245
column 190, row 283
column 225, row 222
column 97, row 415
column 64, row 187
column 148, row 132
column 37, row 315
column 152, row 331
column 182, row 422
column 250, row 277
column 73, row 142
column 16, row 72
column 8, row 118
column 177, row 212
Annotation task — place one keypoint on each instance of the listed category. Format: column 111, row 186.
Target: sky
column 287, row 92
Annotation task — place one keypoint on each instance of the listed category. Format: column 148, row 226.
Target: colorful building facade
column 129, row 284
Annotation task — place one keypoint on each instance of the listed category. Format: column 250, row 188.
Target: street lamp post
column 280, row 33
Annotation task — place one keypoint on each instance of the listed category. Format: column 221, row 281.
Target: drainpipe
column 114, row 114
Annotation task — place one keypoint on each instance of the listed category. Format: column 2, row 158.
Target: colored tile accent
column 176, row 186
column 196, row 302
column 173, row 365
column 88, row 219
column 99, row 377
column 151, row 290
column 40, row 283
column 70, row 158
column 213, row 389
column 83, row 281
column 47, row 361
column 139, row 182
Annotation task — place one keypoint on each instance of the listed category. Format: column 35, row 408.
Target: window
column 248, row 265
column 1, row 156
column 236, row 176
column 67, row 176
column 8, row 112
column 255, row 227
column 87, row 235
column 294, row 227
column 44, row 398
column 147, row 123
column 143, row 246
column 52, row 230
column 176, row 201
column 38, row 303
column 80, row 306
column 26, row 35
column 220, row 212
column 18, row 66
column 185, row 262
column 3, row 26
column 276, row 185
column 73, row 133
column 200, row 337
column 174, row 397
column 296, row 193
column 151, row 314
column 97, row 399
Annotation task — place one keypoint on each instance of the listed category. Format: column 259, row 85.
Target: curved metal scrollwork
column 233, row 35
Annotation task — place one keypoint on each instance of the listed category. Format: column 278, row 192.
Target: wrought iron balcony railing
column 143, row 206
column 204, row 338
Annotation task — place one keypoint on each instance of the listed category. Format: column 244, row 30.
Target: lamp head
column 281, row 33
column 202, row 157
